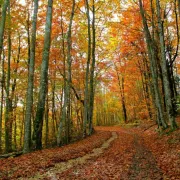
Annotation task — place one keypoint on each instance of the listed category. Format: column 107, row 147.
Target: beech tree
column 29, row 99
column 92, row 76
column 2, row 27
column 8, row 110
column 87, row 81
column 166, row 84
column 153, row 65
column 38, row 124
column 2, row 24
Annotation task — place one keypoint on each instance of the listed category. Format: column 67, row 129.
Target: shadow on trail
column 144, row 165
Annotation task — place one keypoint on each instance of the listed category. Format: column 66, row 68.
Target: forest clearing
column 89, row 89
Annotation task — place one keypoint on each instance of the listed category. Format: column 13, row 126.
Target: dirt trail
column 124, row 156
column 63, row 166
column 143, row 165
column 127, row 159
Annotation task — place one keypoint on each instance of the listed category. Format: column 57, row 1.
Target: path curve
column 123, row 156
column 127, row 158
column 63, row 166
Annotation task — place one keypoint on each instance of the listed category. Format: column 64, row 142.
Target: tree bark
column 2, row 24
column 153, row 67
column 166, row 84
column 68, row 84
column 29, row 97
column 38, row 124
column 2, row 102
column 62, row 122
column 47, row 122
column 8, row 120
column 86, row 91
column 121, row 89
column 92, row 87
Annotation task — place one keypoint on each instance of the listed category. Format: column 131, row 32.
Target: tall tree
column 29, row 98
column 8, row 118
column 69, row 74
column 153, row 67
column 38, row 124
column 66, row 114
column 166, row 84
column 62, row 122
column 92, row 82
column 2, row 27
column 2, row 101
column 86, row 90
column 2, row 24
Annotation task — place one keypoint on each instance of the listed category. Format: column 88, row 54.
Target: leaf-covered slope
column 29, row 164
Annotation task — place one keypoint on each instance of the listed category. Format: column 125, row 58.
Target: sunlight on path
column 63, row 166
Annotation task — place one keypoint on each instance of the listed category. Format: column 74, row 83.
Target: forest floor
column 128, row 153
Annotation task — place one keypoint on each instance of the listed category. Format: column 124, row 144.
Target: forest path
column 137, row 153
column 63, row 166
column 144, row 165
column 126, row 158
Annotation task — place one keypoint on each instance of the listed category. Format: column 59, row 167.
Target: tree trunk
column 22, row 127
column 15, row 126
column 2, row 102
column 92, row 89
column 28, row 36
column 2, row 24
column 62, row 122
column 166, row 85
column 47, row 122
column 53, row 109
column 29, row 98
column 8, row 123
column 68, row 84
column 43, row 79
column 86, row 91
column 153, row 67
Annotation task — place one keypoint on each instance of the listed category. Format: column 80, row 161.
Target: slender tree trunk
column 2, row 24
column 153, row 67
column 92, row 88
column 166, row 85
column 62, row 122
column 86, row 91
column 69, row 62
column 28, row 36
column 43, row 79
column 47, row 122
column 145, row 80
column 2, row 102
column 53, row 108
column 13, row 105
column 123, row 101
column 15, row 125
column 121, row 88
column 148, row 102
column 8, row 123
column 1, row 114
column 29, row 98
column 22, row 127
